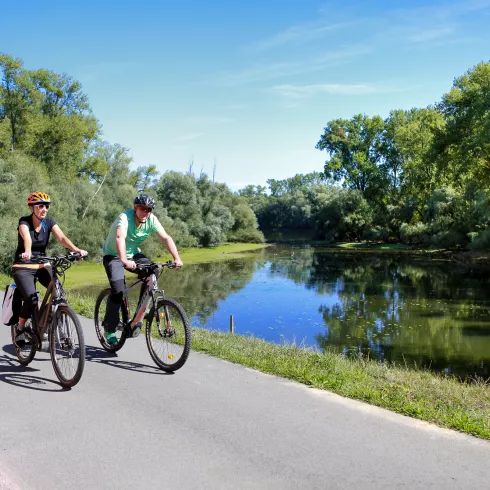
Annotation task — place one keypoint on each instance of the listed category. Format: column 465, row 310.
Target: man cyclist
column 121, row 250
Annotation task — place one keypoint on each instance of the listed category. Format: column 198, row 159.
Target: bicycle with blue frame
column 168, row 330
column 55, row 320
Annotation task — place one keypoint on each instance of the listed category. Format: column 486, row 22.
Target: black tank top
column 40, row 239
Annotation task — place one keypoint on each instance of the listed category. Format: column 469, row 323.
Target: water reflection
column 398, row 308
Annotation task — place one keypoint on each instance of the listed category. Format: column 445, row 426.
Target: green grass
column 223, row 252
column 372, row 246
column 4, row 280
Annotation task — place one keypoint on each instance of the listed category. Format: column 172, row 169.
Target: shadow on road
column 9, row 349
column 96, row 354
column 11, row 372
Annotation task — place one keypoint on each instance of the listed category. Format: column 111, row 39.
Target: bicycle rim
column 169, row 345
column 99, row 314
column 67, row 347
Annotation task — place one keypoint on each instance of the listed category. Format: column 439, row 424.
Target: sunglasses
column 41, row 206
column 145, row 209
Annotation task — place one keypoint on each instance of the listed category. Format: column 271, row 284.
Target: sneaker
column 110, row 337
column 22, row 335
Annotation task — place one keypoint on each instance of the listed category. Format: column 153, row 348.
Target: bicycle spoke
column 169, row 343
column 67, row 347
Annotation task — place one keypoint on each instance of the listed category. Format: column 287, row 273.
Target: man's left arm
column 170, row 245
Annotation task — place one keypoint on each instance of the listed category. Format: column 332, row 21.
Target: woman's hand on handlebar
column 25, row 256
column 178, row 262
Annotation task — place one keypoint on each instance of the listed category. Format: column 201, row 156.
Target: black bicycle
column 168, row 331
column 55, row 320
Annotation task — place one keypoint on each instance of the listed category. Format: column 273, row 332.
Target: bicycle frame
column 44, row 313
column 150, row 295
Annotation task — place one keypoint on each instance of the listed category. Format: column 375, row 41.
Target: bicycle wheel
column 25, row 351
column 170, row 342
column 100, row 308
column 67, row 346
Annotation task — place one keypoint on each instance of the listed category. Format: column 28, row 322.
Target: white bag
column 7, row 306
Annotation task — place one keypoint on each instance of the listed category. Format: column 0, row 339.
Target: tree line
column 419, row 176
column 50, row 140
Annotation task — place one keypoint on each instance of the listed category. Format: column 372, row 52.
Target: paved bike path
column 211, row 425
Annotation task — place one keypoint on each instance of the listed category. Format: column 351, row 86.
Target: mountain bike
column 168, row 331
column 55, row 321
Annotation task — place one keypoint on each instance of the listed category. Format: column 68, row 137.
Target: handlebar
column 150, row 268
column 56, row 260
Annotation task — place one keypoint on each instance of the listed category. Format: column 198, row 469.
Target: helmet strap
column 40, row 219
column 138, row 220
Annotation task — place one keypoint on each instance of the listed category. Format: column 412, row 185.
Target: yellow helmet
column 38, row 198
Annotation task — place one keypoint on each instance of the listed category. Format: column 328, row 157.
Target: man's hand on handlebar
column 178, row 263
column 129, row 264
column 25, row 256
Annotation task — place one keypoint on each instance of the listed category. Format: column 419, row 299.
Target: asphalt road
column 211, row 425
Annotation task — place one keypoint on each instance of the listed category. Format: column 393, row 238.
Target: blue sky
column 246, row 85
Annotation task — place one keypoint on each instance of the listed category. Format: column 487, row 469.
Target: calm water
column 390, row 307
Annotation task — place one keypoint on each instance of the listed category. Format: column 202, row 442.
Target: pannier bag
column 12, row 303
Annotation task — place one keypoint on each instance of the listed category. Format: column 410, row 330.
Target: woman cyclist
column 33, row 238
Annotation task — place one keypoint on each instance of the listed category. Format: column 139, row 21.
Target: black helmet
column 144, row 200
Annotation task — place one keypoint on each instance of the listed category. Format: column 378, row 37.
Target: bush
column 479, row 240
column 416, row 234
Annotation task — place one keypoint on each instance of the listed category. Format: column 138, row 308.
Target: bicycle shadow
column 101, row 356
column 13, row 373
column 9, row 349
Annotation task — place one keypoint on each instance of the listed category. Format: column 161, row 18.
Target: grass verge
column 442, row 400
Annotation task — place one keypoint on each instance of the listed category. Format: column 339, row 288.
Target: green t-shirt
column 134, row 236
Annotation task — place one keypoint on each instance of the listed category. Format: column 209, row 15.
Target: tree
column 465, row 145
column 15, row 93
column 354, row 153
column 145, row 177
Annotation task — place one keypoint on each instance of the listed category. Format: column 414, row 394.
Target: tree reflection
column 400, row 309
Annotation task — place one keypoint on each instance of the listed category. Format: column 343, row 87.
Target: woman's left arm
column 65, row 241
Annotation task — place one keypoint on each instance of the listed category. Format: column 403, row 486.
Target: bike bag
column 12, row 303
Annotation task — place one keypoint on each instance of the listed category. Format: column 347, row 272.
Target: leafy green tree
column 341, row 214
column 15, row 98
column 465, row 146
column 354, row 153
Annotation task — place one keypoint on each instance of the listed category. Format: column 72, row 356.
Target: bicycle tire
column 99, row 328
column 177, row 346
column 60, row 334
column 24, row 355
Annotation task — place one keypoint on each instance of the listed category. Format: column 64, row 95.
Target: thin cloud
column 301, row 34
column 307, row 91
column 263, row 72
column 298, row 92
column 430, row 35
